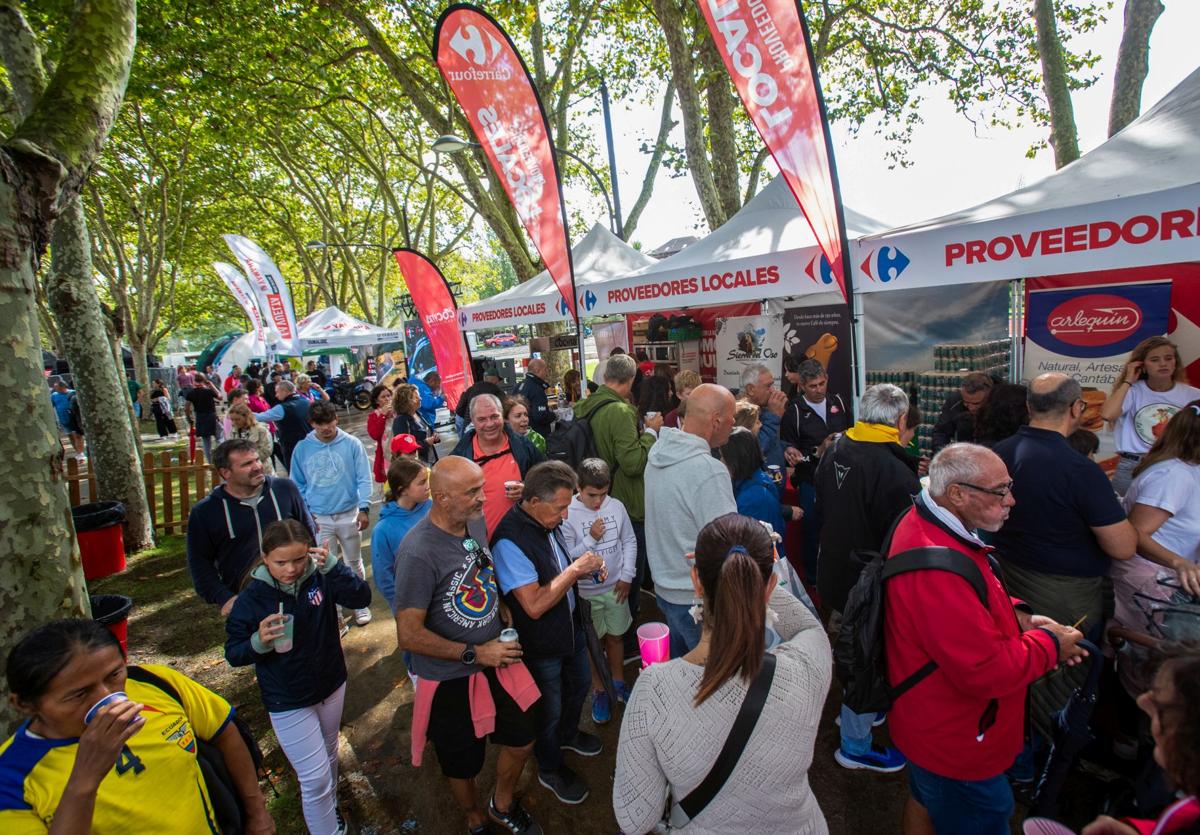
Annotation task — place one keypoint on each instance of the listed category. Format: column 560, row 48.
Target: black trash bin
column 112, row 612
column 101, row 538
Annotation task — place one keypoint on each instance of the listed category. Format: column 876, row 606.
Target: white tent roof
column 1130, row 202
column 766, row 250
column 599, row 255
column 330, row 327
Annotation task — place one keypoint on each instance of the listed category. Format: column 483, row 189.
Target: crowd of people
column 517, row 575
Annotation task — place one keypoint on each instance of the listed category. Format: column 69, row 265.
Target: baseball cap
column 404, row 444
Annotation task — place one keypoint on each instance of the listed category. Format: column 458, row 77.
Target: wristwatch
column 468, row 655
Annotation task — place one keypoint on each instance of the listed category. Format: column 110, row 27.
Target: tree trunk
column 1133, row 62
column 42, row 165
column 41, row 577
column 113, row 453
column 1064, row 136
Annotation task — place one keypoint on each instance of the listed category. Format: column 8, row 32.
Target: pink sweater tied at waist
column 516, row 681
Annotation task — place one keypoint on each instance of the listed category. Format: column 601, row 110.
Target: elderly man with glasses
column 962, row 658
column 1066, row 528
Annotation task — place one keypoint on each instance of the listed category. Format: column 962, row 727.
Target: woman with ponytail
column 682, row 711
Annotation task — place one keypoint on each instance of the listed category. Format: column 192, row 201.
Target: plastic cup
column 111, row 698
column 284, row 642
column 511, row 485
column 654, row 642
column 508, row 635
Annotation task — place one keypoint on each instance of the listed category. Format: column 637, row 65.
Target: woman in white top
column 1149, row 391
column 1163, row 504
column 681, row 711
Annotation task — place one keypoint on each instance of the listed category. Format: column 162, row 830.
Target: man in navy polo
column 1067, row 525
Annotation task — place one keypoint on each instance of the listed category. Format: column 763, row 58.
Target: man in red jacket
column 963, row 725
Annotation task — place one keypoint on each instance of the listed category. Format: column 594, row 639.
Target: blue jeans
column 810, row 531
column 564, row 683
column 980, row 807
column 856, row 731
column 685, row 632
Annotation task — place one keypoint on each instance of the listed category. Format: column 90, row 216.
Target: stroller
column 1167, row 613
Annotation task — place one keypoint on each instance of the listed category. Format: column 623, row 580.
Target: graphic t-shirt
column 498, row 467
column 617, row 545
column 457, row 590
column 1145, row 413
column 155, row 784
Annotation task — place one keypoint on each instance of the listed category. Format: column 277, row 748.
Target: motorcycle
column 344, row 392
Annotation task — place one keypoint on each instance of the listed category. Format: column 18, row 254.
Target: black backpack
column 572, row 441
column 227, row 803
column 858, row 652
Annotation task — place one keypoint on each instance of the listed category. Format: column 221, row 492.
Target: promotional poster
column 747, row 340
column 1088, row 332
column 821, row 333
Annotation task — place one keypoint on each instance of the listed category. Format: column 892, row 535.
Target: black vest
column 293, row 426
column 553, row 634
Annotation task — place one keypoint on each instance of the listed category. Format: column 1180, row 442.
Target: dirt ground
column 380, row 790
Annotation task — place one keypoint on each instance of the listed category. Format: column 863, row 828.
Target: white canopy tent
column 330, row 328
column 765, row 251
column 599, row 255
column 1131, row 202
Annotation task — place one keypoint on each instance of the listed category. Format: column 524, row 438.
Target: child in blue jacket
column 303, row 686
column 407, row 503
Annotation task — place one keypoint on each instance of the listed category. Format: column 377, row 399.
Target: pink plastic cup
column 654, row 641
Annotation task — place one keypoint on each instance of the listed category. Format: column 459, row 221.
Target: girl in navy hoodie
column 303, row 684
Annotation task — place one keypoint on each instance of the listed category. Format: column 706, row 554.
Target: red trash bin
column 101, row 538
column 112, row 612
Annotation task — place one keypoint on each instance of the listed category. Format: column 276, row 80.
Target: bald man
column 1066, row 529
column 686, row 488
column 533, row 388
column 448, row 617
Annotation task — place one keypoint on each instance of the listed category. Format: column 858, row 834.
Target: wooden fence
column 173, row 485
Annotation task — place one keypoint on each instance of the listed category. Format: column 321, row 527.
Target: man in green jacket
column 625, row 449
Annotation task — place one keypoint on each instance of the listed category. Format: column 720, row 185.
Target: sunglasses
column 482, row 560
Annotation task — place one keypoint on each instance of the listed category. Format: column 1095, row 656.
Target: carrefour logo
column 588, row 299
column 463, row 318
column 819, row 271
column 470, row 43
column 885, row 264
column 561, row 306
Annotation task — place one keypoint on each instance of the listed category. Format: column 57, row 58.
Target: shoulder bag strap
column 154, row 680
column 731, row 752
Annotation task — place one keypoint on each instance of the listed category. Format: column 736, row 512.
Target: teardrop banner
column 485, row 73
column 270, row 291
column 766, row 48
column 439, row 314
column 239, row 285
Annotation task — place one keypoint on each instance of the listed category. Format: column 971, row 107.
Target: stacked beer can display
column 951, row 362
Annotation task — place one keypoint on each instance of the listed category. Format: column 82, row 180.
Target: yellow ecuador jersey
column 155, row 785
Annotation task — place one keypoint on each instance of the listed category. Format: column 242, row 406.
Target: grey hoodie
column 686, row 488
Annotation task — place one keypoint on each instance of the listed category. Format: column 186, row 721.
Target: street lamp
column 450, row 144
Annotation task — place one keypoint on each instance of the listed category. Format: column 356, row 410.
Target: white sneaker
column 362, row 616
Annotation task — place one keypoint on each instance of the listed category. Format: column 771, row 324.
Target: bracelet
column 1125, row 382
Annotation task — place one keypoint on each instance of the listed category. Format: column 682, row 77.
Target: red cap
column 404, row 444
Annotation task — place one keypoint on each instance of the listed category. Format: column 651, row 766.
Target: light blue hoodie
column 394, row 524
column 333, row 477
column 686, row 488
